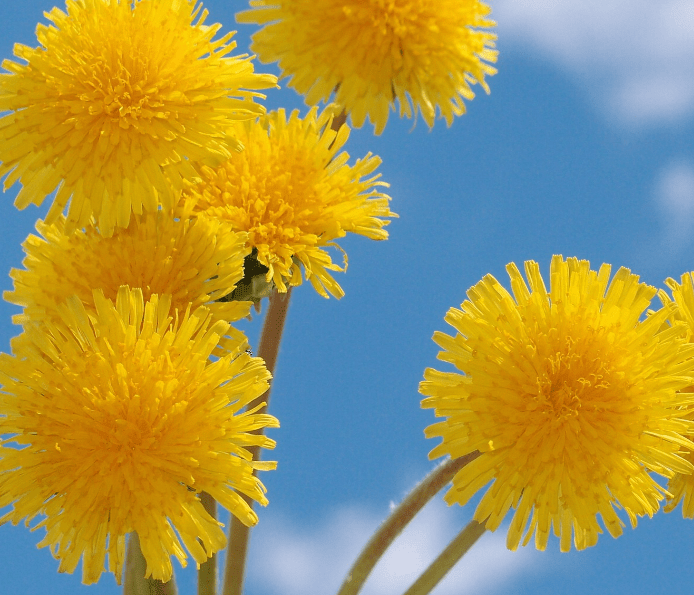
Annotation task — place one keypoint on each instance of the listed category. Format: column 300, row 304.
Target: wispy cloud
column 635, row 57
column 674, row 198
column 302, row 560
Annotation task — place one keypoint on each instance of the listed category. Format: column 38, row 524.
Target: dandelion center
column 398, row 18
column 573, row 382
column 123, row 97
column 559, row 388
column 281, row 210
column 138, row 417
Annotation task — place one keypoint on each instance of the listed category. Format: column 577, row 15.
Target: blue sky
column 585, row 148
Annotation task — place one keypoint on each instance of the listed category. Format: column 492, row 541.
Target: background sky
column 585, row 148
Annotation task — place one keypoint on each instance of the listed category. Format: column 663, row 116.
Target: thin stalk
column 447, row 559
column 238, row 532
column 135, row 567
column 398, row 520
column 207, row 573
column 272, row 334
column 269, row 348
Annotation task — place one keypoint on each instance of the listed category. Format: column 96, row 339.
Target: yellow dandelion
column 681, row 486
column 195, row 261
column 571, row 399
column 122, row 420
column 294, row 195
column 424, row 53
column 115, row 101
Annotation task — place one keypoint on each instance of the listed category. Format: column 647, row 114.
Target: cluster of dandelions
column 128, row 393
column 178, row 202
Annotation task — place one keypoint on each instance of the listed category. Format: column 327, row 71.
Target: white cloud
column 674, row 196
column 671, row 222
column 298, row 561
column 675, row 190
column 635, row 57
column 315, row 560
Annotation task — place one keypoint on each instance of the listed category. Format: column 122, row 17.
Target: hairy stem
column 269, row 348
column 447, row 559
column 238, row 532
column 135, row 567
column 398, row 520
column 207, row 573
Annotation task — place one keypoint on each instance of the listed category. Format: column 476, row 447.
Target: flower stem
column 207, row 573
column 272, row 333
column 398, row 520
column 135, row 567
column 447, row 559
column 268, row 349
column 238, row 533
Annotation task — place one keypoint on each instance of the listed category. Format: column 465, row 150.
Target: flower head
column 424, row 53
column 117, row 98
column 294, row 196
column 195, row 261
column 570, row 398
column 681, row 486
column 122, row 420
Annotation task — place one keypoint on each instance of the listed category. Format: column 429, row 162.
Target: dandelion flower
column 424, row 53
column 681, row 486
column 294, row 195
column 122, row 420
column 114, row 102
column 195, row 261
column 571, row 399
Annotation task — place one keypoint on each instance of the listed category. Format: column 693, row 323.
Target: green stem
column 398, row 520
column 135, row 567
column 207, row 573
column 238, row 532
column 272, row 333
column 237, row 550
column 447, row 559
